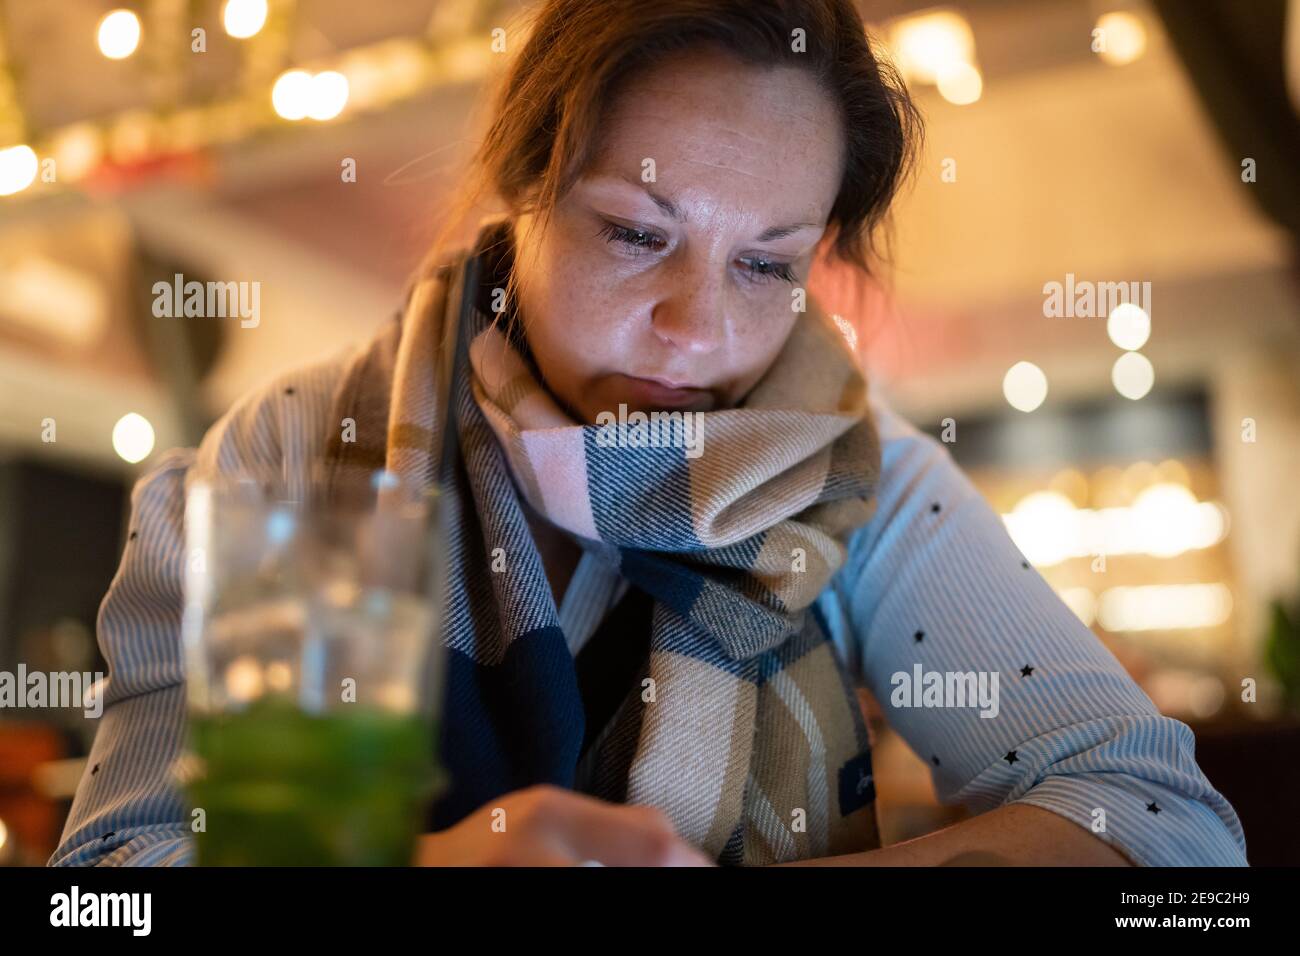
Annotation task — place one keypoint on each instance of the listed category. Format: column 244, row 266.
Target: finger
column 619, row 835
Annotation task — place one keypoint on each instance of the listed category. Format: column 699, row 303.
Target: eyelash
column 640, row 239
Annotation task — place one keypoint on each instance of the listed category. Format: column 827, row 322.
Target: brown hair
column 547, row 111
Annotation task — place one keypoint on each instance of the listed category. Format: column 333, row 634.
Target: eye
column 637, row 238
column 764, row 270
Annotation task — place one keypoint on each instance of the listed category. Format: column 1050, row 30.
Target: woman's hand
column 547, row 825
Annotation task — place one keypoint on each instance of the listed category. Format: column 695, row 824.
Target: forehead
column 718, row 129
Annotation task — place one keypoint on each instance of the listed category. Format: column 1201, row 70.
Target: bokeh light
column 960, row 84
column 18, row 165
column 1124, row 35
column 119, row 34
column 1133, row 375
column 1128, row 326
column 291, row 95
column 1025, row 386
column 243, row 18
column 133, row 438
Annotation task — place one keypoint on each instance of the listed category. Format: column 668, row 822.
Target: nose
column 688, row 316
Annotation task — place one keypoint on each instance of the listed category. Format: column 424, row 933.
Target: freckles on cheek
column 759, row 345
column 599, row 324
column 578, row 339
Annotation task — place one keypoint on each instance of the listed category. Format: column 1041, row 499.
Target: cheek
column 759, row 339
column 577, row 323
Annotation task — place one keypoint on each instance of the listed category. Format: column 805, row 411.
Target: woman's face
column 676, row 293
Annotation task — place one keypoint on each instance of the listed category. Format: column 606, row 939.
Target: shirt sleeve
column 934, row 582
column 127, row 811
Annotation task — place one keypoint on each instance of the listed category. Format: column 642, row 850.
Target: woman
column 654, row 646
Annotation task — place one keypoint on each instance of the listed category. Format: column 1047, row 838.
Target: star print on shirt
column 919, row 636
column 1026, row 671
column 1011, row 757
column 1152, row 807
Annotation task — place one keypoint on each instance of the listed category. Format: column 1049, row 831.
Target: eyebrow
column 671, row 210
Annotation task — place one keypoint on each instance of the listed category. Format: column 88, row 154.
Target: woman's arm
column 1017, row 834
column 127, row 811
column 935, row 583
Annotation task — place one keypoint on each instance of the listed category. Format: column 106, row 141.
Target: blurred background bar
column 1144, row 456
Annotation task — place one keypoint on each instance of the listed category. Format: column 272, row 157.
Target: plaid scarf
column 744, row 726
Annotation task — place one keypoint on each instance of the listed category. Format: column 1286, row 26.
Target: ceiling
column 1065, row 165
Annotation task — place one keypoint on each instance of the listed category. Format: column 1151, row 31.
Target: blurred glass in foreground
column 313, row 671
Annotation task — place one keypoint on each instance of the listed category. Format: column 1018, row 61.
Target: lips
column 665, row 393
column 670, row 384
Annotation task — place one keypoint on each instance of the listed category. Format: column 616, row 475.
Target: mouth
column 665, row 393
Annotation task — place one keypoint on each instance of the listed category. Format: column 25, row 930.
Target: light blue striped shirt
column 932, row 580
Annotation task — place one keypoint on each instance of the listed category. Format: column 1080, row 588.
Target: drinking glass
column 314, row 668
